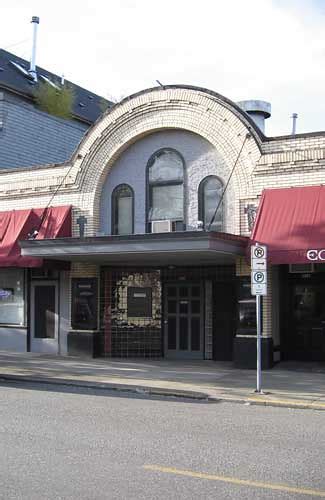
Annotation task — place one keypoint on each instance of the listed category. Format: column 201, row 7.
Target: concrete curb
column 136, row 389
column 165, row 392
column 276, row 403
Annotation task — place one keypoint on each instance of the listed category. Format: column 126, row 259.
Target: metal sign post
column 258, row 345
column 259, row 288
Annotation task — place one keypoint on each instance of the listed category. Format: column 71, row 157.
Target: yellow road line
column 234, row 480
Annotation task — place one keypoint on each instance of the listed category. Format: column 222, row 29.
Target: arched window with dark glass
column 165, row 177
column 210, row 193
column 122, row 210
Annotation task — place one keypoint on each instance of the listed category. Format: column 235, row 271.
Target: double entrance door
column 44, row 321
column 306, row 339
column 183, row 321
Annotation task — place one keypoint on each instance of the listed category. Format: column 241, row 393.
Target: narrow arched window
column 122, row 210
column 210, row 193
column 165, row 177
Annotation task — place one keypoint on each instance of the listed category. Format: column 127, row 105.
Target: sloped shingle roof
column 87, row 105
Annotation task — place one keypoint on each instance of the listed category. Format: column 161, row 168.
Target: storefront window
column 84, row 304
column 12, row 297
column 246, row 306
column 308, row 304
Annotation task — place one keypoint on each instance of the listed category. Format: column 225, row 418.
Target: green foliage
column 103, row 105
column 57, row 102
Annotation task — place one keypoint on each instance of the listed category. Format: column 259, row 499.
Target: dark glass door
column 183, row 322
column 307, row 337
column 44, row 317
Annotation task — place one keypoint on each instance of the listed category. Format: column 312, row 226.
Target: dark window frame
column 162, row 183
column 201, row 200
column 114, row 207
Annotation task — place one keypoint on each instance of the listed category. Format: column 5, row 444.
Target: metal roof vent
column 259, row 111
column 294, row 123
column 32, row 67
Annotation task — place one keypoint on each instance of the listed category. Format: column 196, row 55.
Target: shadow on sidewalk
column 295, row 379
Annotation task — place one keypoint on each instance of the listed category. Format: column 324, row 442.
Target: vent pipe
column 294, row 123
column 259, row 111
column 32, row 67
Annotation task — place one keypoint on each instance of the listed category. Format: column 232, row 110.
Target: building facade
column 163, row 192
column 30, row 136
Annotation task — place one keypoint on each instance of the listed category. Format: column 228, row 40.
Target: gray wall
column 201, row 159
column 13, row 339
column 31, row 137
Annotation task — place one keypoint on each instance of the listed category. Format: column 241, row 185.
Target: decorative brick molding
column 175, row 108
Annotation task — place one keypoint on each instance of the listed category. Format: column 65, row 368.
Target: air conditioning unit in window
column 301, row 268
column 161, row 226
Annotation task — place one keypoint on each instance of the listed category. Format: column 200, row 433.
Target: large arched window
column 165, row 179
column 210, row 193
column 122, row 210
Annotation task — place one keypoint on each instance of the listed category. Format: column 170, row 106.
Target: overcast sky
column 244, row 49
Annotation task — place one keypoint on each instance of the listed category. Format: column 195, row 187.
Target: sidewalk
column 289, row 384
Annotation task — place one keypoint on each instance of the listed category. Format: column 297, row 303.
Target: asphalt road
column 57, row 443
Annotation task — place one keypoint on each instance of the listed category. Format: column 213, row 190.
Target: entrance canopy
column 39, row 223
column 178, row 248
column 291, row 222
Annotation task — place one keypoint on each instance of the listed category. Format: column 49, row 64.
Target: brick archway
column 204, row 113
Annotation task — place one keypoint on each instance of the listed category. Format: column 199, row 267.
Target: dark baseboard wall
column 244, row 352
column 84, row 344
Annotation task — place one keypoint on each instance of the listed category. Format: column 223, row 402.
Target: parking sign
column 259, row 270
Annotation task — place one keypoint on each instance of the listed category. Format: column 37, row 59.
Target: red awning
column 15, row 225
column 291, row 222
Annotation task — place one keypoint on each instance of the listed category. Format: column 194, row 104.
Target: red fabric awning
column 15, row 225
column 290, row 222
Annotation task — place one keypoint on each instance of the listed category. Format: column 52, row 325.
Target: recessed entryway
column 183, row 322
column 44, row 325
